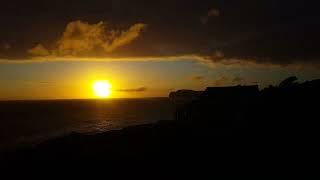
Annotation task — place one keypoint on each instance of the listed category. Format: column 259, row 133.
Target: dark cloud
column 141, row 89
column 227, row 80
column 44, row 82
column 198, row 78
column 5, row 46
column 211, row 13
column 237, row 79
column 264, row 31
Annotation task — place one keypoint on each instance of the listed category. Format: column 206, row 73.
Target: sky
column 58, row 49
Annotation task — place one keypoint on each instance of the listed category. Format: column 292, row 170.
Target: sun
column 102, row 89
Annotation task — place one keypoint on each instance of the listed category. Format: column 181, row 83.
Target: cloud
column 198, row 78
column 5, row 46
column 39, row 50
column 125, row 37
column 235, row 32
column 237, row 79
column 141, row 89
column 44, row 82
column 211, row 13
column 83, row 39
column 227, row 80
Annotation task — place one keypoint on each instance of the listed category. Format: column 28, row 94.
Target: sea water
column 26, row 122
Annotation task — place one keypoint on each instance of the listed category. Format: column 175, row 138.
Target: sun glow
column 102, row 89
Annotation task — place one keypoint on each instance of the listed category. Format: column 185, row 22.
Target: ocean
column 31, row 122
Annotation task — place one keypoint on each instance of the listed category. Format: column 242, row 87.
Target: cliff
column 239, row 126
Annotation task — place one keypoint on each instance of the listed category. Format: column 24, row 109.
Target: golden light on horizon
column 102, row 89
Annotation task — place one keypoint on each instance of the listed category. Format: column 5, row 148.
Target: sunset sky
column 58, row 49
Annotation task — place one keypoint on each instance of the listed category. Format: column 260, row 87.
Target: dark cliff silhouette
column 242, row 126
column 287, row 105
column 219, row 107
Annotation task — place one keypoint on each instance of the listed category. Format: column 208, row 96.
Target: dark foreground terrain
column 227, row 129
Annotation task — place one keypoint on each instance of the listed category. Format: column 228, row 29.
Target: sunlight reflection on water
column 28, row 121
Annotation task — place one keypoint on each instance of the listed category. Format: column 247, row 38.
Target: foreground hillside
column 240, row 127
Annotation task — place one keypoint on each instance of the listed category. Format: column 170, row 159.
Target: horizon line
column 79, row 99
